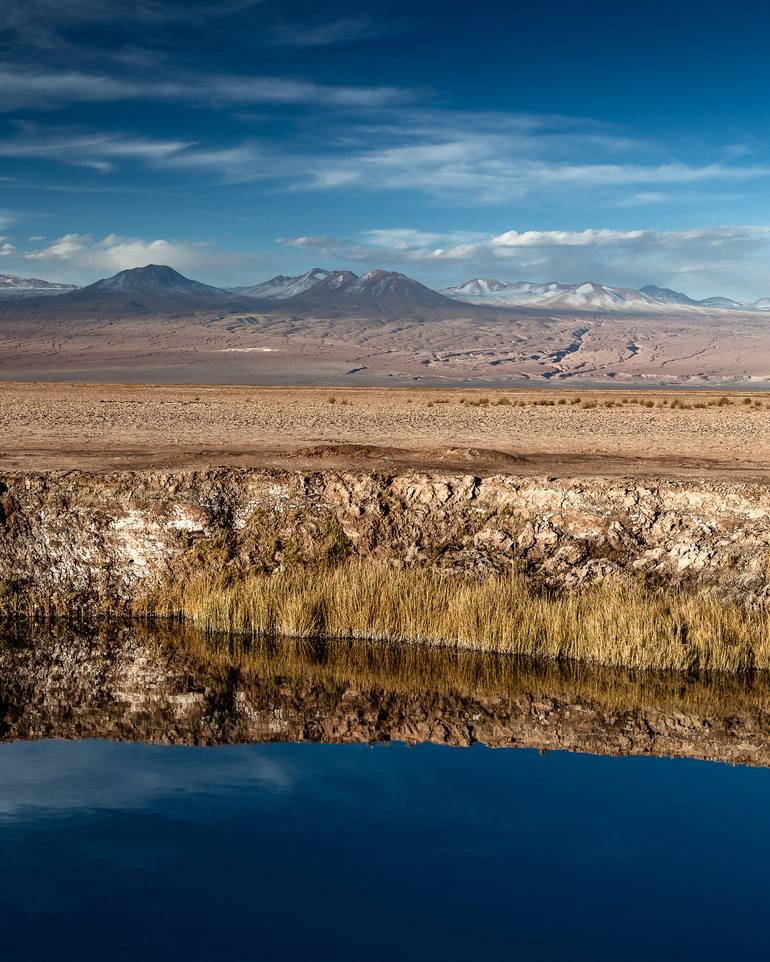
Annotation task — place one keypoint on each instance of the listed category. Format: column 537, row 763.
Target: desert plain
column 560, row 432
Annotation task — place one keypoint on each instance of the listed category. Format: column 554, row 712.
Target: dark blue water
column 318, row 852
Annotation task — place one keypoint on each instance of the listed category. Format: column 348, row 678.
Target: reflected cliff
column 139, row 683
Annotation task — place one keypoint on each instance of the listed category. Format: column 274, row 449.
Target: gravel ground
column 46, row 426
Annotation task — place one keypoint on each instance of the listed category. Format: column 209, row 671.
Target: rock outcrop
column 103, row 539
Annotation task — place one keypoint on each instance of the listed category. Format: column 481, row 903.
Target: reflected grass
column 419, row 670
column 381, row 688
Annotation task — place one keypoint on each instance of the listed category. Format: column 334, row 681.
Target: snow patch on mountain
column 589, row 296
column 553, row 295
column 281, row 287
column 11, row 286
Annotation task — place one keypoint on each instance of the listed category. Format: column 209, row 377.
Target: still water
column 350, row 852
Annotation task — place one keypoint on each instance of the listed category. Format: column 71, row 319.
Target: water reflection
column 293, row 852
column 310, row 843
column 176, row 686
column 47, row 778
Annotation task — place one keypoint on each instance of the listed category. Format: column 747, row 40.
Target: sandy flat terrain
column 104, row 427
column 473, row 345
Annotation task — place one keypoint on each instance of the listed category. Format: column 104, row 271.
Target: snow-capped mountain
column 377, row 291
column 161, row 290
column 280, row 288
column 12, row 286
column 553, row 295
column 478, row 287
column 588, row 296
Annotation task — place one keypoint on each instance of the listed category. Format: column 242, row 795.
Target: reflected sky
column 53, row 778
column 347, row 852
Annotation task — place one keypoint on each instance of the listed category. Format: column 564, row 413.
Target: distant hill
column 722, row 303
column 12, row 286
column 665, row 295
column 155, row 288
column 155, row 279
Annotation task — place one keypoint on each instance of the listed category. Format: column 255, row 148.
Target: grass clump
column 614, row 623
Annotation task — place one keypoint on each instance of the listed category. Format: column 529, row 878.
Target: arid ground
column 557, row 432
column 54, row 339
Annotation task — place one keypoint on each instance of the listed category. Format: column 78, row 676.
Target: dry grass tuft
column 613, row 623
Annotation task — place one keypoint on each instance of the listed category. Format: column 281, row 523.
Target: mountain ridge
column 378, row 291
column 588, row 295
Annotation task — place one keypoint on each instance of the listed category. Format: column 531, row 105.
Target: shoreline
column 664, row 574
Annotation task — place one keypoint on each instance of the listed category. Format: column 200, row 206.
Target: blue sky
column 624, row 143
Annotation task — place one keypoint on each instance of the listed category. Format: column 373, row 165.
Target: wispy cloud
column 22, row 88
column 346, row 30
column 492, row 170
column 105, row 151
column 44, row 24
column 491, row 158
column 460, row 160
column 98, row 151
column 321, row 242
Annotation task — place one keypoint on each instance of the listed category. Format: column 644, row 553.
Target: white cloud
column 566, row 238
column 729, row 260
column 114, row 253
column 733, row 260
column 322, row 242
column 82, row 257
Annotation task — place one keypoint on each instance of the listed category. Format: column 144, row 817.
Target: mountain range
column 588, row 296
column 158, row 288
column 154, row 324
column 376, row 291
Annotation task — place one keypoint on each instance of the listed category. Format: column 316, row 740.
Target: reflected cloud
column 63, row 778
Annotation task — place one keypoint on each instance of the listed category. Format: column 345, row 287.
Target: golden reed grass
column 616, row 623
